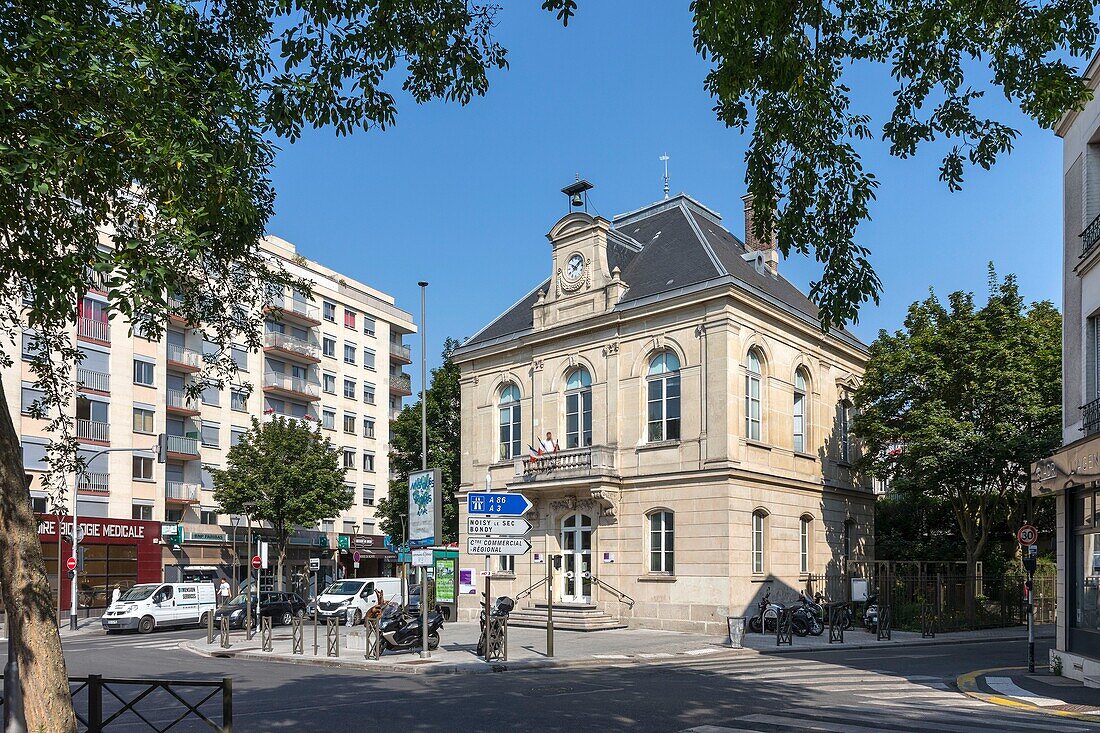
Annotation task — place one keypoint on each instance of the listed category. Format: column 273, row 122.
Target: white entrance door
column 576, row 545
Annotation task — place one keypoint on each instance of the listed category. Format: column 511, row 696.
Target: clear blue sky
column 463, row 196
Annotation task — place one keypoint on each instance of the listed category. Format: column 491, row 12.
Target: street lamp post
column 354, row 536
column 235, row 519
column 404, row 566
column 248, row 590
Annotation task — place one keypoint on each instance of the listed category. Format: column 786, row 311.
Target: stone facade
column 615, row 301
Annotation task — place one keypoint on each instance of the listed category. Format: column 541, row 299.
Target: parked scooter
column 767, row 618
column 402, row 631
column 813, row 613
column 502, row 606
column 870, row 613
column 845, row 609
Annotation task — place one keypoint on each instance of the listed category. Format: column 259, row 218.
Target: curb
column 968, row 685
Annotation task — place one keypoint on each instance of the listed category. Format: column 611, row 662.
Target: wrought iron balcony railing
column 1090, row 417
column 1091, row 236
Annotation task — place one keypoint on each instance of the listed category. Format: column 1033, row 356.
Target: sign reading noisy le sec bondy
column 425, row 508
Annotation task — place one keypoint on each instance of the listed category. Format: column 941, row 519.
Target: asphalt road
column 845, row 691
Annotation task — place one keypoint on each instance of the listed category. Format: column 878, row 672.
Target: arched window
column 843, row 417
column 578, row 409
column 805, row 542
column 509, row 422
column 663, row 397
column 759, row 527
column 799, row 413
column 752, row 396
column 661, row 544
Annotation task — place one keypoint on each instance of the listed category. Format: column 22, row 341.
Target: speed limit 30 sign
column 1027, row 535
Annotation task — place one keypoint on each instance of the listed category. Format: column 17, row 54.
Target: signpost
column 495, row 546
column 1028, row 536
column 495, row 526
column 425, row 525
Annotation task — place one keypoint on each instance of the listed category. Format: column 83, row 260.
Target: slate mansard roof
column 661, row 250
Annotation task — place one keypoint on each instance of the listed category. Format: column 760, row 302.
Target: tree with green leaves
column 444, row 414
column 285, row 473
column 955, row 406
column 792, row 70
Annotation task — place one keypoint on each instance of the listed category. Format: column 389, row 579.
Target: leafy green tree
column 285, row 473
column 444, row 405
column 955, row 406
column 792, row 70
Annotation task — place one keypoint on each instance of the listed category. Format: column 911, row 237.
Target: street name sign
column 497, row 546
column 497, row 503
column 422, row 558
column 498, row 526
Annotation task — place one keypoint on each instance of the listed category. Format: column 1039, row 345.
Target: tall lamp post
column 404, row 566
column 235, row 519
column 424, row 652
column 248, row 590
column 354, row 536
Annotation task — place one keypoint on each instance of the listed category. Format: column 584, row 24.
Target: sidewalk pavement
column 527, row 647
column 1041, row 692
column 84, row 626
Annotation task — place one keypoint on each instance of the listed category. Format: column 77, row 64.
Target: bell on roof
column 577, row 193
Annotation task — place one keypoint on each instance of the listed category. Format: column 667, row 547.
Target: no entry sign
column 71, row 563
column 1027, row 535
column 257, row 563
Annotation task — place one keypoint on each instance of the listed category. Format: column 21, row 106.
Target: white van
column 149, row 605
column 353, row 596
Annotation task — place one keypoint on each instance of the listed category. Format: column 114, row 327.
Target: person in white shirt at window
column 549, row 445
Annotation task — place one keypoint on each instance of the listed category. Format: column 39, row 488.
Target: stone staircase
column 571, row 617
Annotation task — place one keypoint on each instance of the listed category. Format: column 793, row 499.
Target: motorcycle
column 767, row 619
column 502, row 606
column 845, row 610
column 813, row 613
column 402, row 631
column 870, row 613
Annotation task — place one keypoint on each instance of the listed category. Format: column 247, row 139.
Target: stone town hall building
column 702, row 418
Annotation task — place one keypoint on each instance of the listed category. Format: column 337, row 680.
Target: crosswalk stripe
column 933, row 715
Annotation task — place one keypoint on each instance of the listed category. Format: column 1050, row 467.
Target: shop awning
column 1077, row 464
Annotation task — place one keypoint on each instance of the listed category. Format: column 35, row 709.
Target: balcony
column 401, row 353
column 179, row 492
column 175, row 304
column 395, row 412
column 309, row 419
column 96, row 281
column 401, row 384
column 567, row 463
column 95, row 381
column 182, row 447
column 294, row 310
column 1090, row 237
column 291, row 348
column 183, row 360
column 93, row 430
column 277, row 383
column 1090, row 417
column 93, row 483
column 93, row 330
column 177, row 402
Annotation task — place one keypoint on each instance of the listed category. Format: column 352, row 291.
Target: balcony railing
column 401, row 383
column 309, row 419
column 580, row 460
column 96, row 280
column 92, row 430
column 180, row 491
column 90, row 328
column 180, row 355
column 401, row 351
column 1091, row 236
column 183, row 445
column 297, row 306
column 93, row 482
column 178, row 399
column 277, row 380
column 1090, row 417
column 93, row 380
column 283, row 342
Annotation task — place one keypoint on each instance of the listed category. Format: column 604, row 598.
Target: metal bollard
column 210, row 627
column 836, row 623
column 332, row 637
column 372, row 638
column 225, row 632
column 784, row 634
column 884, row 630
column 265, row 633
column 297, row 636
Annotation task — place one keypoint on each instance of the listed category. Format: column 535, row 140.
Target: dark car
column 279, row 607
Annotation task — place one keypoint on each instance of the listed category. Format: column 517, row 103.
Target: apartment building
column 334, row 360
column 698, row 452
column 1072, row 475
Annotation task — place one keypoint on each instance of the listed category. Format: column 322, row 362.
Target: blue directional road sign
column 501, row 504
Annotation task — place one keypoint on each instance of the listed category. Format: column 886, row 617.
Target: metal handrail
column 1091, row 236
column 530, row 589
column 1090, row 417
column 623, row 597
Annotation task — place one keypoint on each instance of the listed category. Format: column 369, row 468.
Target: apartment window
column 143, row 420
column 240, row 357
column 368, row 393
column 752, row 396
column 507, row 564
column 39, row 505
column 328, row 383
column 328, row 419
column 235, row 435
column 27, row 399
column 28, row 350
column 349, row 388
column 368, row 359
column 143, row 468
column 143, row 512
column 349, row 527
column 210, row 434
column 328, row 346
column 349, row 458
column 349, row 318
column 173, row 515
column 368, row 325
column 238, row 400
column 34, row 456
column 211, row 395
column 663, row 397
column 843, row 415
column 805, row 537
column 846, row 540
column 143, row 372
column 208, row 516
column 759, row 521
column 349, row 423
column 329, row 310
column 368, row 427
column 661, row 541
column 349, row 353
column 368, row 461
column 368, row 494
column 328, row 525
column 799, row 414
column 578, row 409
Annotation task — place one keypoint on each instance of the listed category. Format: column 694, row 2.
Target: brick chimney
column 753, row 244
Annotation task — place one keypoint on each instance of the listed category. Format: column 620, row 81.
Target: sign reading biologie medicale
column 425, row 508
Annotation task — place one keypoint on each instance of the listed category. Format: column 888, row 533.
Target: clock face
column 574, row 267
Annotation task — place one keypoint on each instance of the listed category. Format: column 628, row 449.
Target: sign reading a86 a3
column 504, row 504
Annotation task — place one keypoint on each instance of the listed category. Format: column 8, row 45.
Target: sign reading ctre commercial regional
column 499, row 526
column 498, row 503
column 425, row 508
column 497, row 546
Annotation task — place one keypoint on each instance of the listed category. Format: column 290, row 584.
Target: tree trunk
column 970, row 585
column 282, row 563
column 27, row 596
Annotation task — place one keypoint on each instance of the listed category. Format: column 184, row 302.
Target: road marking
column 611, row 656
column 656, row 655
column 701, row 652
column 1007, row 687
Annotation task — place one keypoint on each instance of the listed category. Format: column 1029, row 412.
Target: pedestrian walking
column 223, row 592
column 115, row 593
